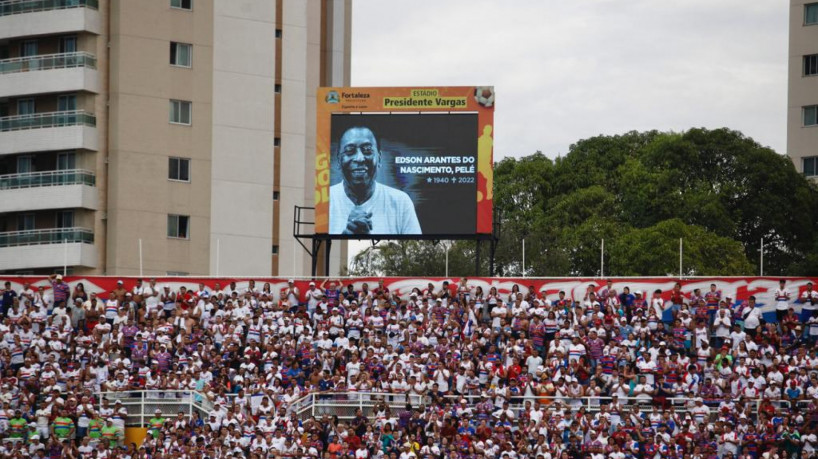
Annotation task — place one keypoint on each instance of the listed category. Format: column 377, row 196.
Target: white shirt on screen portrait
column 392, row 211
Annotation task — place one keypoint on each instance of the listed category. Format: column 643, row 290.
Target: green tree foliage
column 718, row 190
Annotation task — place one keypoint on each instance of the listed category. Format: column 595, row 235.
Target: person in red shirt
column 677, row 299
column 186, row 299
column 514, row 370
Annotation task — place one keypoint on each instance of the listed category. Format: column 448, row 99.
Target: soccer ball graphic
column 484, row 95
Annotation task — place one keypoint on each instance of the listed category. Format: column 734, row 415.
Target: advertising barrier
column 405, row 162
column 738, row 289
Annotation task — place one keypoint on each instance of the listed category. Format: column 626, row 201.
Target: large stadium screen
column 404, row 162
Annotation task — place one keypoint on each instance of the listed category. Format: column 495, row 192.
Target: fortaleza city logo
column 332, row 97
column 424, row 98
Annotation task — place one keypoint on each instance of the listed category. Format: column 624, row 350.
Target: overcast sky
column 571, row 69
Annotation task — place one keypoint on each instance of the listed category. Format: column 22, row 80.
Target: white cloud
column 567, row 70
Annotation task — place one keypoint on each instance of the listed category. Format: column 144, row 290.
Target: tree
column 656, row 250
column 719, row 191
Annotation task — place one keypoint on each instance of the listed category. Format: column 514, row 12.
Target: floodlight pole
column 447, row 259
column 602, row 259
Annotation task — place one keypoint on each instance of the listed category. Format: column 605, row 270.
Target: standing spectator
column 782, row 300
column 61, row 290
column 8, row 298
column 809, row 303
column 62, row 427
column 752, row 317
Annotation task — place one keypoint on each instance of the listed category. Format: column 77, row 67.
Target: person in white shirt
column 752, row 317
column 809, row 303
column 358, row 203
column 722, row 324
column 729, row 440
column 782, row 300
column 700, row 412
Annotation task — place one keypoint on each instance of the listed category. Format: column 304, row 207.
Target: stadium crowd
column 454, row 372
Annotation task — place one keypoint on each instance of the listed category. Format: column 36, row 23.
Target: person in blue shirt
column 7, row 300
column 627, row 298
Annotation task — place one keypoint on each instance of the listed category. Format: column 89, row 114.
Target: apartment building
column 160, row 137
column 802, row 106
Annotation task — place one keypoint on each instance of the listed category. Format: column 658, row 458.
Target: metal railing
column 47, row 178
column 142, row 404
column 46, row 236
column 47, row 120
column 48, row 62
column 9, row 7
column 345, row 404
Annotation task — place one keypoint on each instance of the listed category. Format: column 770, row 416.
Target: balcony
column 50, row 73
column 64, row 189
column 67, row 130
column 46, row 248
column 20, row 18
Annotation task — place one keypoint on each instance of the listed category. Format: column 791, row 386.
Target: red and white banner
column 736, row 288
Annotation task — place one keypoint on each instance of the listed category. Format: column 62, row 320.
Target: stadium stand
column 342, row 369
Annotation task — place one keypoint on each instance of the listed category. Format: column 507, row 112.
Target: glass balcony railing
column 8, row 7
column 48, row 62
column 47, row 120
column 47, row 178
column 46, row 236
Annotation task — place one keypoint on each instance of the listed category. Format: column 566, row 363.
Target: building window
column 811, row 65
column 277, row 141
column 68, row 44
column 180, row 112
column 810, row 115
column 182, row 4
column 25, row 164
column 275, row 250
column 67, row 103
column 178, row 226
column 278, row 89
column 25, row 222
column 278, row 33
column 811, row 13
column 29, row 48
column 179, row 169
column 26, row 107
column 276, row 195
column 180, row 54
column 65, row 219
column 810, row 166
column 178, row 273
column 66, row 161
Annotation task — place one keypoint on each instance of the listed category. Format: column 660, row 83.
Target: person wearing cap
column 313, row 296
column 60, row 290
column 111, row 434
column 156, row 423
column 292, row 294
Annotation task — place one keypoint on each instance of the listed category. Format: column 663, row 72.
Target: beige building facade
column 802, row 106
column 159, row 137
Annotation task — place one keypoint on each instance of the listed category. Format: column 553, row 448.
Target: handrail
column 46, row 236
column 48, row 62
column 47, row 178
column 47, row 120
column 141, row 404
column 9, row 7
